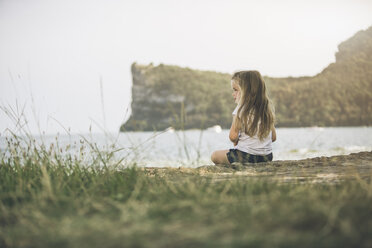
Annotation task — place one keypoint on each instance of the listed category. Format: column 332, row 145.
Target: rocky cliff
column 165, row 96
column 341, row 95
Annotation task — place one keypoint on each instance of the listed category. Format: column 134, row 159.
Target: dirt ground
column 317, row 170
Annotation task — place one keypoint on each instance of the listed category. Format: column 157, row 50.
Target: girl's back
column 252, row 131
column 253, row 144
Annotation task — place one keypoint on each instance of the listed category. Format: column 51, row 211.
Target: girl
column 252, row 130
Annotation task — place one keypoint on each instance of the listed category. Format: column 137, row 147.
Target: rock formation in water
column 341, row 95
column 165, row 96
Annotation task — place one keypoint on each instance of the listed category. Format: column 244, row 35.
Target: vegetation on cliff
column 166, row 96
column 341, row 95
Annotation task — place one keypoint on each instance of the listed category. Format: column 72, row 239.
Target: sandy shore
column 317, row 170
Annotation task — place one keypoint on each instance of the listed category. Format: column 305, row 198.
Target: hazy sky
column 53, row 54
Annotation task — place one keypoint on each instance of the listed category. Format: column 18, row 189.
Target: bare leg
column 219, row 157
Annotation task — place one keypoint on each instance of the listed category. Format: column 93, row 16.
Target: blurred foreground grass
column 52, row 200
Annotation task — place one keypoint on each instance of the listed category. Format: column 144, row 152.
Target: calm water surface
column 193, row 147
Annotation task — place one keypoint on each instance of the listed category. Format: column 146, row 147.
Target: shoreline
column 316, row 170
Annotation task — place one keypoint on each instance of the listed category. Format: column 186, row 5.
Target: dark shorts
column 235, row 155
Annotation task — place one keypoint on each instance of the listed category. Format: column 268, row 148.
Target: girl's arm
column 273, row 134
column 234, row 131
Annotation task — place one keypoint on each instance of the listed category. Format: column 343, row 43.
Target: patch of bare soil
column 316, row 170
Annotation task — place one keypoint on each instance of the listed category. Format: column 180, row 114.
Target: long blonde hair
column 256, row 112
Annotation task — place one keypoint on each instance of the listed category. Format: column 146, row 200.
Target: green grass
column 50, row 199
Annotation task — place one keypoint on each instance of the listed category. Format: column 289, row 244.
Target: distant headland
column 341, row 95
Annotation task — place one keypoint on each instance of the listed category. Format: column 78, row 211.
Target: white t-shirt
column 253, row 145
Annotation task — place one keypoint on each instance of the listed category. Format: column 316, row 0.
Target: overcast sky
column 54, row 54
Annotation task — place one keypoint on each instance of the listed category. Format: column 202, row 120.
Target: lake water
column 193, row 147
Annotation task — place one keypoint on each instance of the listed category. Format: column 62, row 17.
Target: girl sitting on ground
column 252, row 131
